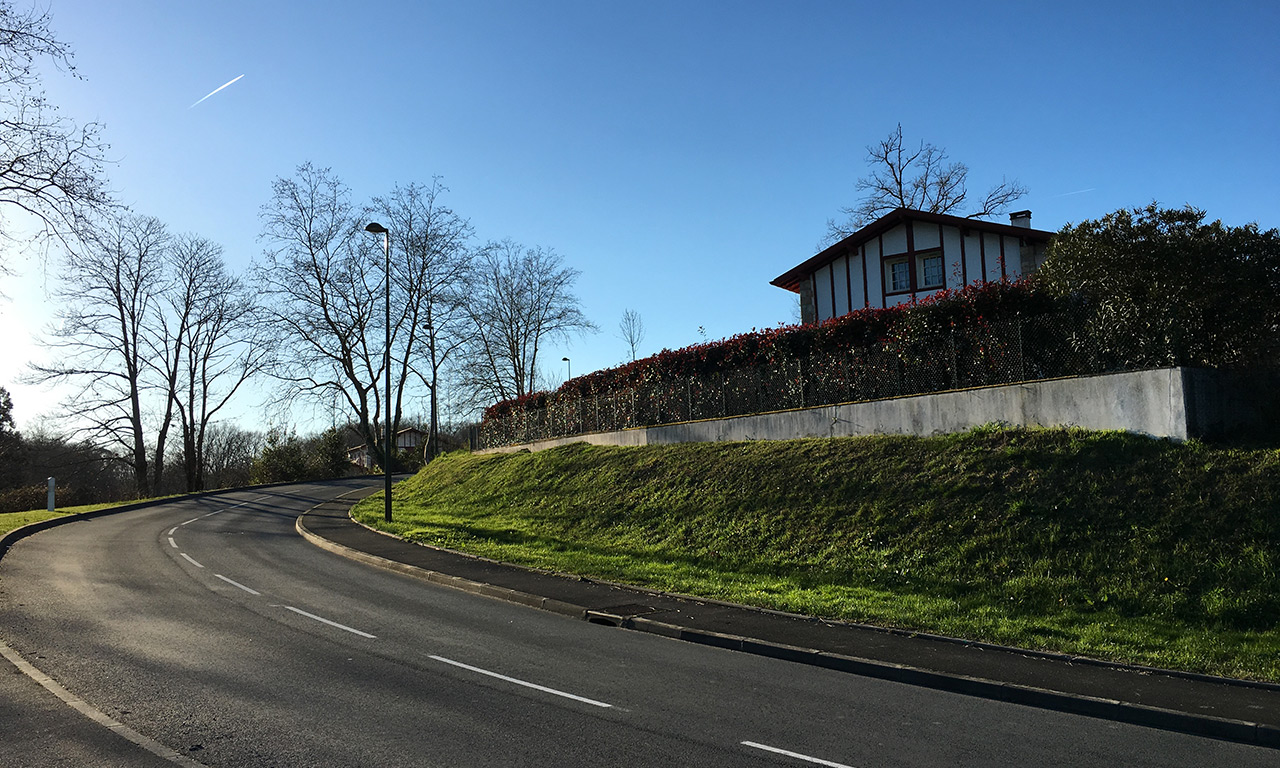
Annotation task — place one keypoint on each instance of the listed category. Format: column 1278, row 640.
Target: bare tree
column 108, row 296
column 521, row 298
column 631, row 331
column 213, row 345
column 922, row 179
column 49, row 167
column 432, row 264
column 323, row 291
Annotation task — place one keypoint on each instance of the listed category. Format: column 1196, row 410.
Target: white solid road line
column 796, row 755
column 534, row 686
column 238, row 584
column 190, row 560
column 323, row 620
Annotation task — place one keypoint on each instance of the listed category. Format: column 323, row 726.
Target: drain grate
column 617, row 615
column 629, row 609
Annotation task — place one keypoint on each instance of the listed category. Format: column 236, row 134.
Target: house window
column 932, row 270
column 898, row 274
column 899, row 277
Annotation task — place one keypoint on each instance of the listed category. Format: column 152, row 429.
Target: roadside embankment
column 1101, row 544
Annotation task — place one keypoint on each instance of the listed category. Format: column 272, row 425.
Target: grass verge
column 1102, row 544
column 13, row 520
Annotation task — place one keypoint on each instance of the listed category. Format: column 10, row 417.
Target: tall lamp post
column 569, row 367
column 387, row 448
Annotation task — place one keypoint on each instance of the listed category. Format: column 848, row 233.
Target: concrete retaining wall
column 1177, row 403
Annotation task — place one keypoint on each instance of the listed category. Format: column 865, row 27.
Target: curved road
column 211, row 627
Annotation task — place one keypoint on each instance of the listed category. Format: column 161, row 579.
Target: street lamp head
column 565, row 359
column 376, row 228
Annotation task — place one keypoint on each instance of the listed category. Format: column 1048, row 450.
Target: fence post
column 800, row 378
column 1022, row 360
column 52, row 485
column 955, row 371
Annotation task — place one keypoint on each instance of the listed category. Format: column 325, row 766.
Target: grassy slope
column 1105, row 544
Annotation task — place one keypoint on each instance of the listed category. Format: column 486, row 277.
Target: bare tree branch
column 521, row 298
column 432, row 267
column 50, row 168
column 217, row 342
column 108, row 299
column 631, row 331
column 922, row 180
column 323, row 296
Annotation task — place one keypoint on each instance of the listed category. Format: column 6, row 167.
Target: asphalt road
column 211, row 627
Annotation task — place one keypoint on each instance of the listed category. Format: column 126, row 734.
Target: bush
column 327, row 456
column 25, row 498
column 282, row 459
column 1164, row 288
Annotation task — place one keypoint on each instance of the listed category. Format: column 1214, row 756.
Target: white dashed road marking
column 323, row 620
column 238, row 584
column 796, row 755
column 534, row 686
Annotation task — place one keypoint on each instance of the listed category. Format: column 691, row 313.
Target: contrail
column 1064, row 194
column 215, row 90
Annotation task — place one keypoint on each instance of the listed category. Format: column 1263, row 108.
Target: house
column 407, row 439
column 907, row 255
column 359, row 455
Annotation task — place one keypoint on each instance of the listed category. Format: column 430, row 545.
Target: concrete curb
column 1107, row 709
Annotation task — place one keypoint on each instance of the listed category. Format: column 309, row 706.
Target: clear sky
column 680, row 154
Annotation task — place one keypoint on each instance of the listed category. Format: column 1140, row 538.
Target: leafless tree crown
column 430, row 279
column 922, row 179
column 325, row 284
column 631, row 331
column 50, row 167
column 151, row 329
column 522, row 297
column 322, row 289
column 108, row 298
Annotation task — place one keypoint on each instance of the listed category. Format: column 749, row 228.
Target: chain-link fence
column 979, row 353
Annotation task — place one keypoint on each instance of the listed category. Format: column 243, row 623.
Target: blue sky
column 680, row 155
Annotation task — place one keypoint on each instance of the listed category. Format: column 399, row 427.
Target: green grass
column 1103, row 544
column 12, row 520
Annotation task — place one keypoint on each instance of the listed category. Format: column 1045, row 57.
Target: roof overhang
column 790, row 280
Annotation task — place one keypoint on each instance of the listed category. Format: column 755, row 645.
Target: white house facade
column 407, row 439
column 907, row 255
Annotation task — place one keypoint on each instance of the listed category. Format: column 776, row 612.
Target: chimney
column 1020, row 219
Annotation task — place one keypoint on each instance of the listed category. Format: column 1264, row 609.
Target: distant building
column 407, row 439
column 906, row 255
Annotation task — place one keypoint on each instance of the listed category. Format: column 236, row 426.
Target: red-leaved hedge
column 864, row 328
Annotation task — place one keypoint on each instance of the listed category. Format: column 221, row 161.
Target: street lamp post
column 387, row 448
column 569, row 366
